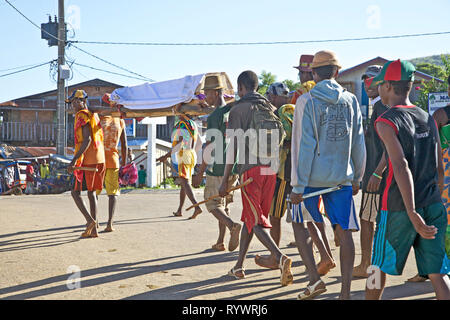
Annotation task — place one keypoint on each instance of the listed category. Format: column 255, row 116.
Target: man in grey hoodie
column 327, row 150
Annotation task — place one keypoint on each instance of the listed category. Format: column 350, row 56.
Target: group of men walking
column 288, row 151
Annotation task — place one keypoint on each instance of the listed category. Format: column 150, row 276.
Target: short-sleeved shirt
column 417, row 134
column 95, row 153
column 240, row 119
column 218, row 120
column 374, row 147
column 112, row 130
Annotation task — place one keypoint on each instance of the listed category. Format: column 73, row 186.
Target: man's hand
column 425, row 231
column 374, row 184
column 296, row 198
column 163, row 158
column 355, row 187
column 223, row 189
column 70, row 168
column 197, row 180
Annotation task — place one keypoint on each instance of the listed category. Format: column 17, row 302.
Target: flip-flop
column 233, row 272
column 286, row 277
column 234, row 237
column 312, row 291
column 258, row 261
column 218, row 247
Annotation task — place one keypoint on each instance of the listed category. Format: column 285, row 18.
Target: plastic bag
column 128, row 174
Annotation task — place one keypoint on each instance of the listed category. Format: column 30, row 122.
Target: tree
column 291, row 84
column 433, row 85
column 431, row 69
column 265, row 80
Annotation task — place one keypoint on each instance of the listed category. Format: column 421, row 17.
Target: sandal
column 176, row 214
column 87, row 232
column 417, row 278
column 312, row 291
column 233, row 272
column 218, row 247
column 286, row 277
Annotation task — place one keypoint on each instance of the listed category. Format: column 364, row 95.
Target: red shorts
column 257, row 197
column 90, row 180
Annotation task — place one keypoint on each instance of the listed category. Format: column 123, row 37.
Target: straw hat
column 213, row 82
column 325, row 58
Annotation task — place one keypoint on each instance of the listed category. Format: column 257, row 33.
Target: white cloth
column 158, row 95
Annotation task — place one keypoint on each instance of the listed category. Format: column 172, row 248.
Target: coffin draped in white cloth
column 158, row 95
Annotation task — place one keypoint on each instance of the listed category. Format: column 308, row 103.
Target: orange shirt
column 112, row 130
column 95, row 153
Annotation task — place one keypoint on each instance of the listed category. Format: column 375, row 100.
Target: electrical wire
column 110, row 63
column 11, row 73
column 261, row 43
column 107, row 71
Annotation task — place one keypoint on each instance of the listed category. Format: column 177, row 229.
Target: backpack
column 265, row 122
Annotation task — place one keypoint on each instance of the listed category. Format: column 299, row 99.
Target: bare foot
column 325, row 266
column 360, row 271
column 109, row 228
column 177, row 214
column 266, row 262
column 196, row 213
column 218, row 247
column 417, row 278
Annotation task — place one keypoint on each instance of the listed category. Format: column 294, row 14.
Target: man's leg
column 375, row 284
column 76, row 195
column 347, row 259
column 182, row 199
column 275, row 231
column 326, row 259
column 190, row 194
column 112, row 201
column 93, row 208
column 441, row 285
column 244, row 244
column 366, row 238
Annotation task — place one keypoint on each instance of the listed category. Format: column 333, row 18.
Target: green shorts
column 395, row 235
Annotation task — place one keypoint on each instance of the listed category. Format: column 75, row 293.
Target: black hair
column 141, row 166
column 325, row 72
column 249, row 80
column 402, row 87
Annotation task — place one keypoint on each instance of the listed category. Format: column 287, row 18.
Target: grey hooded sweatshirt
column 328, row 146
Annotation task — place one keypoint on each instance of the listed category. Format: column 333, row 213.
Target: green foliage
column 291, row 84
column 265, row 80
column 436, row 59
column 431, row 69
column 434, row 86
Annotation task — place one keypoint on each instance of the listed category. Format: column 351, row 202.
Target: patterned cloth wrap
column 128, row 174
column 446, row 195
column 83, row 117
column 186, row 158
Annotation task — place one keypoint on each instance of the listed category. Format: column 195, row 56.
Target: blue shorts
column 339, row 207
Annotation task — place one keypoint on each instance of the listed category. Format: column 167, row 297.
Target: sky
column 202, row 21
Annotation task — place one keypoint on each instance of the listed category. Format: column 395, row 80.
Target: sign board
column 437, row 100
column 130, row 127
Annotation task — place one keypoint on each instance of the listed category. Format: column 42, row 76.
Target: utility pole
column 61, row 104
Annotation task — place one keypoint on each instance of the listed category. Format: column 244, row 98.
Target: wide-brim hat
column 81, row 94
column 396, row 70
column 213, row 82
column 325, row 58
column 305, row 63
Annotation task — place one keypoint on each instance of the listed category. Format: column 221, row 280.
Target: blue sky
column 212, row 21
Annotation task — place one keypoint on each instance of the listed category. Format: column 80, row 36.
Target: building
column 31, row 120
column 351, row 80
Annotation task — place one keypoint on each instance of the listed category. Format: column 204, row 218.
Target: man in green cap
column 412, row 213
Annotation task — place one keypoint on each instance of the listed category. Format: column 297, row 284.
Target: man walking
column 215, row 137
column 113, row 132
column 89, row 152
column 247, row 117
column 327, row 150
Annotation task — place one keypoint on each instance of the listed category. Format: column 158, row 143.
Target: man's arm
column 374, row 181
column 403, row 178
column 197, row 179
column 86, row 131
